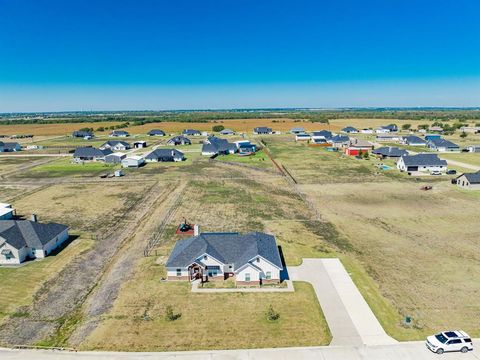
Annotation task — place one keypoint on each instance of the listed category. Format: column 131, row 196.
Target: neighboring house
column 216, row 146
column 164, row 155
column 89, row 153
column 262, row 130
column 252, row 259
column 227, row 132
column 442, row 145
column 245, row 146
column 297, row 130
column 339, row 141
column 133, row 161
column 191, row 132
column 24, row 239
column 389, row 152
column 115, row 145
column 435, row 129
column 470, row 129
column 302, row 137
column 413, row 140
column 140, row 144
column 422, row 162
column 119, row 133
column 6, row 211
column 432, row 136
column 115, row 158
column 358, row 147
column 470, row 181
column 156, row 132
column 473, row 148
column 349, row 130
column 83, row 134
column 179, row 140
column 323, row 134
column 10, row 147
column 387, row 137
column 390, row 128
column 366, row 131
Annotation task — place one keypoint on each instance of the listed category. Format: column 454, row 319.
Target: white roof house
column 134, row 161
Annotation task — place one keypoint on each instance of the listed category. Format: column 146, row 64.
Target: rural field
column 393, row 238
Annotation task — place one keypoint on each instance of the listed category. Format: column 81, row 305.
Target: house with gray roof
column 252, row 259
column 156, row 132
column 262, row 130
column 216, row 146
column 89, row 153
column 179, row 140
column 339, row 140
column 227, row 132
column 119, row 133
column 469, row 181
column 115, row 145
column 297, row 130
column 23, row 239
column 350, row 130
column 426, row 163
column 413, row 140
column 165, row 155
column 82, row 134
column 10, row 147
column 114, row 158
column 191, row 132
column 321, row 135
column 442, row 145
column 390, row 152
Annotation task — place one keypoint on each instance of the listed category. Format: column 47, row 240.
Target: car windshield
column 441, row 338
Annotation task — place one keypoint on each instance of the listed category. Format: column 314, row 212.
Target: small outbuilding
column 115, row 158
column 133, row 161
column 140, row 144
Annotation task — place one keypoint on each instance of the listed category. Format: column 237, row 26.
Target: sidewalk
column 289, row 288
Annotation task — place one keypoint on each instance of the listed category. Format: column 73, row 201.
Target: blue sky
column 152, row 54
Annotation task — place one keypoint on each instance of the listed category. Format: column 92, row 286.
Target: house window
column 205, row 257
column 268, row 275
column 258, row 259
column 179, row 272
column 247, row 277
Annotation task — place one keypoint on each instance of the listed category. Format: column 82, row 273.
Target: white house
column 115, row 145
column 442, row 145
column 24, row 239
column 426, row 163
column 6, row 211
column 252, row 259
column 133, row 161
column 302, row 137
column 366, row 131
column 473, row 148
column 469, row 181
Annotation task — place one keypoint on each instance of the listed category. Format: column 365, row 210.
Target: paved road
column 350, row 319
column 400, row 351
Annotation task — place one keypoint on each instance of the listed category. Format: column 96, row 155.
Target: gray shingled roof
column 473, row 178
column 10, row 145
column 414, row 139
column 90, row 152
column 113, row 143
column 229, row 248
column 20, row 233
column 349, row 129
column 340, row 138
column 389, row 151
column 81, row 133
column 262, row 129
column 156, row 132
column 423, row 160
column 164, row 154
column 191, row 132
column 439, row 142
column 227, row 131
column 177, row 140
column 325, row 133
column 119, row 132
column 217, row 145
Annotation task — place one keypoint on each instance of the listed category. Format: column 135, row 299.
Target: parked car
column 436, row 173
column 450, row 341
column 451, row 172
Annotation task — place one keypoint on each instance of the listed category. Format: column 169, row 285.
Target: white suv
column 450, row 341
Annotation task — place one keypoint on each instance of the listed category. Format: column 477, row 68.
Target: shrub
column 101, row 128
column 272, row 315
column 463, row 135
column 406, row 126
column 170, row 315
column 218, row 128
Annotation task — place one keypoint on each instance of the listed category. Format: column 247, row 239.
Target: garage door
column 412, row 168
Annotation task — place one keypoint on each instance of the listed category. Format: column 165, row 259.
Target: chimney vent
column 196, row 230
column 34, row 217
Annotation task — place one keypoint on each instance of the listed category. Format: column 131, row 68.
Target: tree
column 406, row 126
column 101, row 128
column 463, row 135
column 218, row 128
column 366, row 156
column 272, row 315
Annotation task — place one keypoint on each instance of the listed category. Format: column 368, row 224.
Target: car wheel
column 440, row 351
column 464, row 349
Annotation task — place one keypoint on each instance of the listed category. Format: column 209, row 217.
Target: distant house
column 387, row 129
column 427, row 163
column 323, row 134
column 216, row 146
column 442, row 145
column 165, row 155
column 140, row 144
column 470, row 129
column 470, row 181
column 24, row 239
column 179, row 140
column 115, row 145
column 358, row 146
column 262, row 130
column 435, row 129
column 10, row 147
column 366, row 131
column 303, row 137
column 89, row 153
column 349, row 130
column 251, row 259
column 473, row 148
column 191, row 132
column 156, row 132
column 389, row 152
column 297, row 130
column 115, row 158
column 388, row 137
column 413, row 140
column 227, row 132
column 245, row 146
column 119, row 133
column 6, row 211
column 133, row 161
column 339, row 141
column 83, row 134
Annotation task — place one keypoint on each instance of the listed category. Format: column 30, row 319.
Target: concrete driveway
column 350, row 319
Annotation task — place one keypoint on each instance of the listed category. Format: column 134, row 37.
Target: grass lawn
column 140, row 310
column 64, row 167
column 19, row 284
column 10, row 163
column 259, row 159
column 467, row 158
